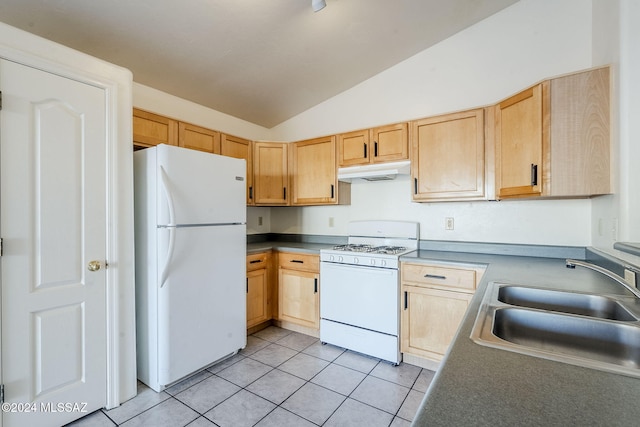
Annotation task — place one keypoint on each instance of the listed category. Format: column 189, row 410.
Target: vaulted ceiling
column 263, row 61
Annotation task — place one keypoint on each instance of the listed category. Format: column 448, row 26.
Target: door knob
column 94, row 265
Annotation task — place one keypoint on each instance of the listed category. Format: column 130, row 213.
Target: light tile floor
column 280, row 379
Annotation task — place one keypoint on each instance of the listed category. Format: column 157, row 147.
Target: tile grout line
column 275, row 340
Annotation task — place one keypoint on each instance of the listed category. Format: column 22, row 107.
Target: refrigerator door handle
column 167, row 261
column 171, row 226
column 167, row 191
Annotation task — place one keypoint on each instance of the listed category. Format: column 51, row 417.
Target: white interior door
column 53, row 225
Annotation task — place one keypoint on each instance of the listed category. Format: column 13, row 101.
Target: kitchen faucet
column 572, row 263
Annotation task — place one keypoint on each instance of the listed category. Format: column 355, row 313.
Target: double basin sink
column 594, row 331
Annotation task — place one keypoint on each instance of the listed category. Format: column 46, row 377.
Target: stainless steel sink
column 566, row 302
column 595, row 331
column 609, row 342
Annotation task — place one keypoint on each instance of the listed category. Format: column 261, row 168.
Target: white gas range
column 359, row 300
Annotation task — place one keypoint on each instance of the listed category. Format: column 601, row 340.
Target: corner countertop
column 302, row 247
column 478, row 385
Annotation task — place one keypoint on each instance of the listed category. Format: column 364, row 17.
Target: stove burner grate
column 389, row 250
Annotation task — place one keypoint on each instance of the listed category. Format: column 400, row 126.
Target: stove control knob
column 373, row 261
column 340, row 259
column 383, row 263
column 356, row 260
column 331, row 257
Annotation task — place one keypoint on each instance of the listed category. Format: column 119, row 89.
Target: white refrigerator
column 190, row 219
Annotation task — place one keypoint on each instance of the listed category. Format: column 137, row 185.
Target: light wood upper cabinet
column 271, row 175
column 240, row 148
column 448, row 157
column 381, row 144
column 353, row 148
column 198, row 138
column 152, row 129
column 553, row 140
column 313, row 173
column 520, row 142
column 390, row 143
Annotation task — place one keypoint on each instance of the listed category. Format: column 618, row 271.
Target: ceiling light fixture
column 318, row 5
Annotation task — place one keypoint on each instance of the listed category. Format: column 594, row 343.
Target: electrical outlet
column 630, row 277
column 330, row 221
column 259, row 220
column 448, row 223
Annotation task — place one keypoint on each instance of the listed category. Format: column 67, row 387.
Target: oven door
column 366, row 297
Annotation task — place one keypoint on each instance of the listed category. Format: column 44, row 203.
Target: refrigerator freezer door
column 202, row 305
column 199, row 188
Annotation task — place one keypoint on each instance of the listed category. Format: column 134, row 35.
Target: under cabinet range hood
column 375, row 172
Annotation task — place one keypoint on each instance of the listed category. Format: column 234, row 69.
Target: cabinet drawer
column 257, row 261
column 463, row 279
column 297, row 261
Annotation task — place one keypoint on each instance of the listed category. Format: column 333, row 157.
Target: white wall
column 153, row 100
column 615, row 40
column 519, row 46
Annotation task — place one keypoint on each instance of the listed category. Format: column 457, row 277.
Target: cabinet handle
column 534, row 174
column 375, row 148
column 365, row 151
column 435, row 276
column 247, row 285
column 284, row 193
column 251, row 192
column 332, row 191
column 315, row 286
column 255, row 261
column 415, row 185
column 406, row 300
column 299, row 261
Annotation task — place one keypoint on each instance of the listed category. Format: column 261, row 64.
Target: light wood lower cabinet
column 434, row 301
column 258, row 288
column 299, row 289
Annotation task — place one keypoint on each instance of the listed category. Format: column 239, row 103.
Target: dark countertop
column 478, row 385
column 632, row 248
column 302, row 247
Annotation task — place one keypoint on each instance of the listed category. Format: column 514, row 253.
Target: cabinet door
column 270, row 173
column 240, row 148
column 521, row 143
column 353, row 148
column 448, row 157
column 390, row 143
column 298, row 298
column 313, row 172
column 257, row 311
column 198, row 138
column 430, row 319
column 152, row 129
